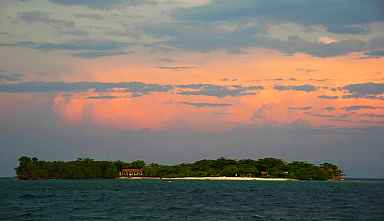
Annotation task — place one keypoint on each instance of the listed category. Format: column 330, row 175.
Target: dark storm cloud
column 307, row 12
column 203, row 104
column 100, row 4
column 304, row 87
column 217, row 90
column 133, row 87
column 368, row 90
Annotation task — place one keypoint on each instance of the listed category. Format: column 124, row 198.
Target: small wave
column 27, row 196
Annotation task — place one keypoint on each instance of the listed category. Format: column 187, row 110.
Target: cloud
column 65, row 142
column 83, row 48
column 307, row 70
column 368, row 90
column 326, row 12
column 342, row 117
column 91, row 16
column 100, row 4
column 204, row 37
column 133, row 87
column 329, row 108
column 374, row 54
column 295, row 44
column 319, row 80
column 175, row 68
column 247, row 21
column 143, row 88
column 10, row 77
column 207, row 37
column 359, row 107
column 102, row 97
column 217, row 90
column 45, row 18
column 327, row 40
column 299, row 108
column 229, row 79
column 347, row 29
column 221, row 113
column 97, row 54
column 304, row 87
column 216, row 25
column 202, row 105
column 136, row 89
column 328, row 97
column 75, row 46
column 373, row 115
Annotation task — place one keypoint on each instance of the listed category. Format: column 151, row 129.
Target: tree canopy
column 32, row 168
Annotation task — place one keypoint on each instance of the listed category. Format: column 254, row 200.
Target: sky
column 172, row 81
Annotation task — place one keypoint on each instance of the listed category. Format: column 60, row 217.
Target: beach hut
column 264, row 173
column 128, row 172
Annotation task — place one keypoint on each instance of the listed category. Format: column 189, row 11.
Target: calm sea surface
column 190, row 200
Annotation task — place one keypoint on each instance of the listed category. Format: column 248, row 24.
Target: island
column 31, row 168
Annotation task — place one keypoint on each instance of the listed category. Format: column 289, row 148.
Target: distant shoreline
column 266, row 169
column 210, row 178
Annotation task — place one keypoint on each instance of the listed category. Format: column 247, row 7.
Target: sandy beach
column 231, row 178
column 210, row 178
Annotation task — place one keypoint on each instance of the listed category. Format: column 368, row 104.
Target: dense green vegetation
column 32, row 168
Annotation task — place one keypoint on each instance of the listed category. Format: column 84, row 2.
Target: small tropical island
column 31, row 168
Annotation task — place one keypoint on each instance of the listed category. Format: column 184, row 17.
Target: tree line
column 32, row 168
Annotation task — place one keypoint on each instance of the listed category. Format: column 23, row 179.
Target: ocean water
column 190, row 200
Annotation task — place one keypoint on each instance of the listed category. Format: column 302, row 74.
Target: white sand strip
column 230, row 178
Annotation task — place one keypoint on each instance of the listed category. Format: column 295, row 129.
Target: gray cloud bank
column 360, row 107
column 217, row 90
column 217, row 25
column 304, row 87
column 102, row 4
column 137, row 88
column 330, row 13
column 134, row 87
column 202, row 104
column 10, row 77
column 368, row 90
